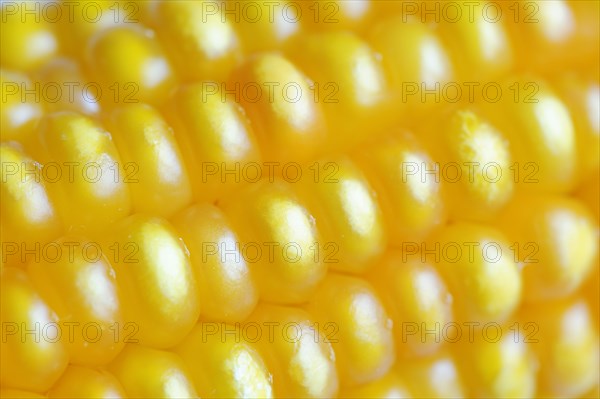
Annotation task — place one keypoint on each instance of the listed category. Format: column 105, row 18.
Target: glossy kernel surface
column 299, row 199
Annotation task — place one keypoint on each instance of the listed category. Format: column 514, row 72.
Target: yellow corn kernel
column 296, row 350
column 78, row 23
column 477, row 42
column 398, row 39
column 152, row 373
column 215, row 137
column 474, row 166
column 498, row 362
column 279, row 101
column 279, row 240
column 207, row 44
column 558, row 244
column 583, row 99
column 349, row 79
column 553, row 28
column 78, row 282
column 32, row 354
column 21, row 105
column 540, row 133
column 397, row 168
column 332, row 15
column 350, row 310
column 433, row 377
column 153, row 164
column 223, row 365
column 29, row 216
column 85, row 171
column 27, row 39
column 567, row 350
column 262, row 25
column 64, row 87
column 480, row 270
column 225, row 285
column 416, row 299
column 130, row 65
column 98, row 384
column 159, row 292
column 387, row 387
column 347, row 214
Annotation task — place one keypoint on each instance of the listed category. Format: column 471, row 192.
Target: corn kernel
column 223, row 366
column 482, row 157
column 130, row 65
column 88, row 171
column 29, row 215
column 226, row 287
column 349, row 79
column 280, row 240
column 480, row 270
column 499, row 362
column 153, row 163
column 19, row 115
column 583, row 99
column 333, row 15
column 29, row 361
column 98, row 384
column 297, row 351
column 433, row 377
column 27, row 40
column 396, row 167
column 353, row 312
column 540, row 132
column 387, row 387
column 215, row 136
column 208, row 47
column 65, row 87
column 279, row 101
column 398, row 39
column 159, row 292
column 264, row 26
column 563, row 244
column 80, row 285
column 416, row 298
column 477, row 42
column 568, row 349
column 552, row 28
column 151, row 373
column 347, row 215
